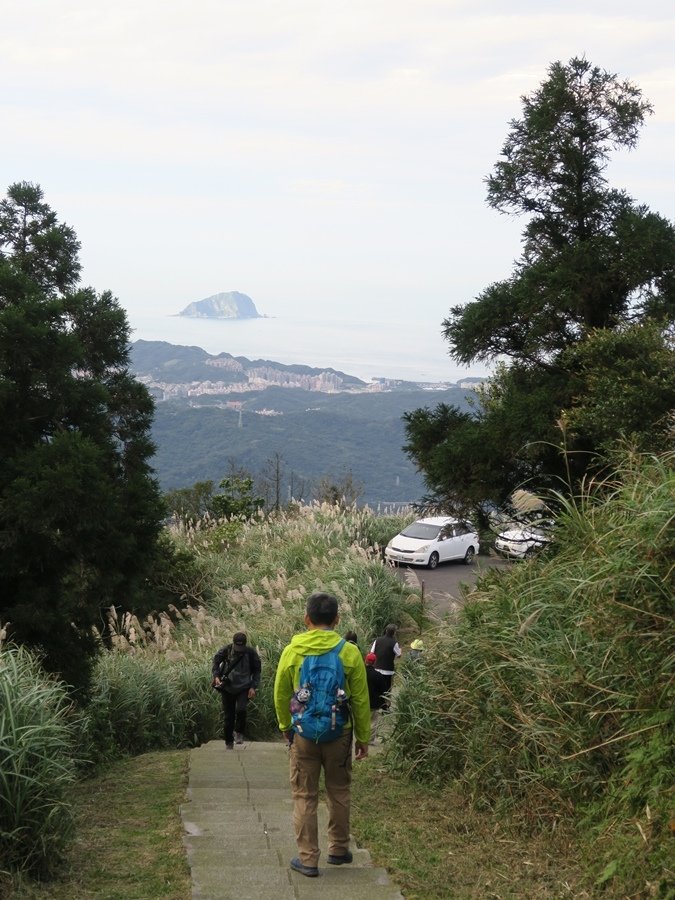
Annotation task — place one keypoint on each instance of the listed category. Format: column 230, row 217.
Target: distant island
column 227, row 305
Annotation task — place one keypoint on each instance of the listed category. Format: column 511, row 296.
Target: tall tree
column 79, row 508
column 189, row 504
column 37, row 243
column 593, row 261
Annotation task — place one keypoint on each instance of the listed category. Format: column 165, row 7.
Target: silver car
column 524, row 541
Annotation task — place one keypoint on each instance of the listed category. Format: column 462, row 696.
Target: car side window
column 461, row 528
column 446, row 532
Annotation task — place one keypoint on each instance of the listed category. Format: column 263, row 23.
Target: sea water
column 409, row 350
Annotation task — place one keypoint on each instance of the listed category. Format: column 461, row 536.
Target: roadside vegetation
column 551, row 699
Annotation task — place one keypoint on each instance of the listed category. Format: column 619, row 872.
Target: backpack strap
column 350, row 717
column 228, row 658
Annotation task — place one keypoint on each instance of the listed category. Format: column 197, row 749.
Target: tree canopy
column 79, row 508
column 594, row 264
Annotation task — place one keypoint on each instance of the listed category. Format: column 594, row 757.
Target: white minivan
column 427, row 542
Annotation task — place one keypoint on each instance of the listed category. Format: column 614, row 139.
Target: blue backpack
column 319, row 707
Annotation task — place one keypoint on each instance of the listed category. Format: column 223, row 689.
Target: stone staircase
column 239, row 832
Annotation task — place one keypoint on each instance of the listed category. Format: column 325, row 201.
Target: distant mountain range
column 227, row 305
column 214, row 412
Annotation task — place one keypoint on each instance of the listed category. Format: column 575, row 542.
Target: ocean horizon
column 410, row 350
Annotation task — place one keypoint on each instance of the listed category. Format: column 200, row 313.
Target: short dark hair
column 390, row 630
column 351, row 636
column 239, row 638
column 322, row 609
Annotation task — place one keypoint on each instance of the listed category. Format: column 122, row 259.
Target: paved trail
column 239, row 833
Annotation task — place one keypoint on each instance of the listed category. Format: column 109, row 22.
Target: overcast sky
column 318, row 156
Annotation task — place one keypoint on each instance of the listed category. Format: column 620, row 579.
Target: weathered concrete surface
column 239, row 833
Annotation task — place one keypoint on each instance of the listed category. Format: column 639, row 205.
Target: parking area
column 443, row 585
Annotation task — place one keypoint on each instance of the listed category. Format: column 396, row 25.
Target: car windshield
column 422, row 531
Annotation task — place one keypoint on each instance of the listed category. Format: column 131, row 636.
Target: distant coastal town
column 259, row 378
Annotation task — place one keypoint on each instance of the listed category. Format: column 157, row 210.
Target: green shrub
column 38, row 749
column 376, row 531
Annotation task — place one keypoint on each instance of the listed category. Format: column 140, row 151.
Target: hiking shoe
column 341, row 860
column 238, row 737
column 309, row 871
column 229, row 745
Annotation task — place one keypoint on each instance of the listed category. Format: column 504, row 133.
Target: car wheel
column 469, row 555
column 433, row 560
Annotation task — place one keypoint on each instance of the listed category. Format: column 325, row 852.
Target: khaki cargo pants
column 307, row 760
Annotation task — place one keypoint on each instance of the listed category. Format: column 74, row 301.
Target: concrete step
column 238, row 833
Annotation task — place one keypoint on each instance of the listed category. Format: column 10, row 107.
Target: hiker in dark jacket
column 377, row 696
column 386, row 650
column 236, row 674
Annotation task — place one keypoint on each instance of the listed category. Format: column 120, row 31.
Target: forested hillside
column 217, row 413
column 316, row 434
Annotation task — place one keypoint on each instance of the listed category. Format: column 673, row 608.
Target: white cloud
column 302, row 140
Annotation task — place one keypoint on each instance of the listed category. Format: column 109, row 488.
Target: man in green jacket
column 308, row 757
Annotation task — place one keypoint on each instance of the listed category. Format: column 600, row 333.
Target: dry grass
column 437, row 845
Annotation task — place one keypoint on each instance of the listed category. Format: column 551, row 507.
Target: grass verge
column 128, row 842
column 435, row 845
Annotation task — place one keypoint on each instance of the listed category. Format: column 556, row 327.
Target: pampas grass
column 38, row 747
column 152, row 689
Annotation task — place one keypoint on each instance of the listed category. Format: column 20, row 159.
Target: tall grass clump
column 372, row 595
column 554, row 695
column 273, row 565
column 152, row 688
column 38, row 748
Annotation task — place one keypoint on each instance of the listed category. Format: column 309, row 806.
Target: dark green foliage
column 624, row 379
column 42, row 248
column 79, row 509
column 593, row 263
column 343, row 490
column 179, row 576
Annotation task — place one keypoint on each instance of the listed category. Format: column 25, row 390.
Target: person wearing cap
column 236, row 674
column 416, row 650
